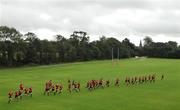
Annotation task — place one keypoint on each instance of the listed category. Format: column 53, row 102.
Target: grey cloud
column 72, row 15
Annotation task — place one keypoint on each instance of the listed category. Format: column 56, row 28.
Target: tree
column 11, row 39
column 16, row 49
column 147, row 41
column 129, row 48
column 33, row 53
column 61, row 41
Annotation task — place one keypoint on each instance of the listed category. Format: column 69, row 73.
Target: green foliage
column 17, row 49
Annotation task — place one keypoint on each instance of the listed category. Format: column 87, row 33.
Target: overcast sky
column 134, row 19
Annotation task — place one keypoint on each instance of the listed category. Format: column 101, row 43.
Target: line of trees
column 17, row 49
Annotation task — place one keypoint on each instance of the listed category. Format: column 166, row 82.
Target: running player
column 101, row 83
column 50, row 84
column 57, row 88
column 20, row 94
column 47, row 88
column 78, row 86
column 30, row 91
column 26, row 91
column 107, row 83
column 17, row 95
column 21, row 87
column 60, row 88
column 53, row 89
column 10, row 95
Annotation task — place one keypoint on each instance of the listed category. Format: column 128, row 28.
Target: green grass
column 162, row 95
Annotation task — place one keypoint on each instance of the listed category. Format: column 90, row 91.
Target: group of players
column 57, row 88
column 93, row 84
column 141, row 79
column 17, row 95
column 73, row 86
column 52, row 88
column 100, row 83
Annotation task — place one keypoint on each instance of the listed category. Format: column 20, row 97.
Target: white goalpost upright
column 112, row 55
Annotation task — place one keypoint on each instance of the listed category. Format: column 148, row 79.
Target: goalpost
column 112, row 55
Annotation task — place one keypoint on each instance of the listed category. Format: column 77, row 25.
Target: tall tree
column 11, row 38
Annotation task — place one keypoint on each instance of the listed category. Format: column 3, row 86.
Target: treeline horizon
column 17, row 49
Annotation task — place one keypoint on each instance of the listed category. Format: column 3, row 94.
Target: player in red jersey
column 57, row 86
column 21, row 87
column 26, row 91
column 78, row 86
column 91, row 85
column 30, row 91
column 101, row 83
column 47, row 88
column 20, row 94
column 10, row 95
column 50, row 84
column 53, row 89
column 60, row 88
column 17, row 95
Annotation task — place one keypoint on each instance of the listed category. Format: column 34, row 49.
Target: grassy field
column 162, row 95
